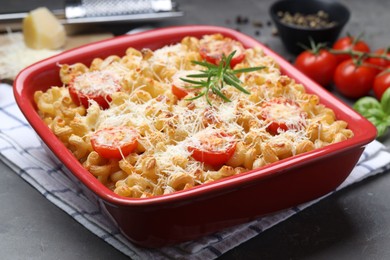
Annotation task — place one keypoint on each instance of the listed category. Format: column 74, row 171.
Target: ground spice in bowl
column 315, row 21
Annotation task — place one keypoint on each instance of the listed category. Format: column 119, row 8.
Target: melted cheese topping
column 211, row 140
column 167, row 56
column 97, row 83
column 176, row 78
column 214, row 47
column 115, row 137
column 289, row 114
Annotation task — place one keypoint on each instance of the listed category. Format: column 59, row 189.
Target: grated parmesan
column 15, row 55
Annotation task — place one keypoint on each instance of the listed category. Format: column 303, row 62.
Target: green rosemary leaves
column 215, row 77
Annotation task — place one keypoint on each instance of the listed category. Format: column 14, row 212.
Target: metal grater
column 99, row 11
column 95, row 10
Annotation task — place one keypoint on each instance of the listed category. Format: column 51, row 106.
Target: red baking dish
column 189, row 214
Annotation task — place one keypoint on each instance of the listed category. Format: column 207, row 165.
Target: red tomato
column 381, row 83
column 179, row 92
column 115, row 142
column 214, row 50
column 180, row 88
column 353, row 80
column 379, row 62
column 95, row 85
column 348, row 43
column 318, row 66
column 214, row 148
column 282, row 114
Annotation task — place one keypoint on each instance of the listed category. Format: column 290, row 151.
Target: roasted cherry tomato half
column 349, row 43
column 213, row 147
column 180, row 88
column 381, row 83
column 319, row 66
column 94, row 85
column 213, row 51
column 282, row 114
column 115, row 142
column 354, row 80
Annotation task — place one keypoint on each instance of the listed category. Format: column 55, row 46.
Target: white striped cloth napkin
column 29, row 160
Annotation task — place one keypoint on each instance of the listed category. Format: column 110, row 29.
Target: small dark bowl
column 294, row 36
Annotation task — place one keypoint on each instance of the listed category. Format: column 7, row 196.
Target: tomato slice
column 94, row 85
column 180, row 88
column 213, row 147
column 115, row 142
column 213, row 51
column 282, row 114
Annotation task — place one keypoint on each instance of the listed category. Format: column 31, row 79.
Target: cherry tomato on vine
column 380, row 62
column 319, row 66
column 349, row 43
column 212, row 51
column 95, row 85
column 354, row 80
column 381, row 83
column 282, row 114
column 215, row 148
column 115, row 142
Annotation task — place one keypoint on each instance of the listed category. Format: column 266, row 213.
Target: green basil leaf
column 365, row 103
column 385, row 101
column 387, row 120
column 375, row 121
column 377, row 113
column 382, row 129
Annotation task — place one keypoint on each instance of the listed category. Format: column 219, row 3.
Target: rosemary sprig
column 214, row 78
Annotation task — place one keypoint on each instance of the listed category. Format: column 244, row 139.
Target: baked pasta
column 142, row 130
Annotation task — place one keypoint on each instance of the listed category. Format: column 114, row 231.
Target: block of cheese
column 42, row 30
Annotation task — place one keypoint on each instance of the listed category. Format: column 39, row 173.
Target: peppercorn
column 315, row 21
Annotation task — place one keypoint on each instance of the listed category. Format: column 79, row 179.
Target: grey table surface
column 351, row 224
